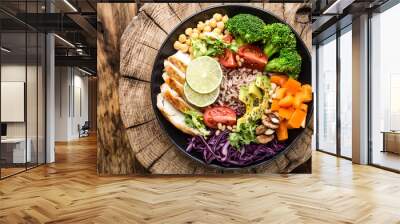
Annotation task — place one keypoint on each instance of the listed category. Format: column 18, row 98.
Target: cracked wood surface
column 114, row 154
column 139, row 45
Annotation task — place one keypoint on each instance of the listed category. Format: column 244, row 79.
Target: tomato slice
column 228, row 59
column 253, row 56
column 219, row 114
column 228, row 38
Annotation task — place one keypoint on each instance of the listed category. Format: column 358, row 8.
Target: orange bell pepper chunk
column 307, row 93
column 282, row 131
column 285, row 113
column 274, row 105
column 287, row 101
column 298, row 100
column 303, row 107
column 278, row 79
column 293, row 86
column 280, row 93
column 297, row 118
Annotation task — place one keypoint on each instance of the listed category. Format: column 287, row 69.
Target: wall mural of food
column 210, row 88
column 232, row 88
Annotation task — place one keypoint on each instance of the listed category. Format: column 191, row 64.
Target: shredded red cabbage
column 217, row 148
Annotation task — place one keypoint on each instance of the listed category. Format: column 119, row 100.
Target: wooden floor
column 386, row 159
column 70, row 191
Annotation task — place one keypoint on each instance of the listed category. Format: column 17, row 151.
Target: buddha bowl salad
column 232, row 85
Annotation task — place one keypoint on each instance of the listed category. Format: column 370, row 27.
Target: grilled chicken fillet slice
column 173, row 98
column 180, row 60
column 174, row 72
column 173, row 84
column 174, row 116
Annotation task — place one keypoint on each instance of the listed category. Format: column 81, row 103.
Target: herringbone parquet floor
column 70, row 191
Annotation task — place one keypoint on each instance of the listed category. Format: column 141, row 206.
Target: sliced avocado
column 246, row 98
column 263, row 82
column 254, row 91
column 244, row 94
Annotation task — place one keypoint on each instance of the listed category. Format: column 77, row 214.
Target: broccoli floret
column 246, row 28
column 288, row 62
column 276, row 37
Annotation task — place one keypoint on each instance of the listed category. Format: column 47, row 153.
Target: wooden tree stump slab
column 114, row 154
column 139, row 46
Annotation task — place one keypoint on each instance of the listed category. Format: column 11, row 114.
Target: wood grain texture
column 114, row 155
column 139, row 45
column 70, row 191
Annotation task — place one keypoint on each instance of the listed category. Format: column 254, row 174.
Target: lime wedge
column 198, row 99
column 204, row 74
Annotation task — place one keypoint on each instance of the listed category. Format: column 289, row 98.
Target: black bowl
column 179, row 138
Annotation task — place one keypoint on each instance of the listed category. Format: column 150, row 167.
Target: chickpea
column 200, row 26
column 207, row 29
column 194, row 35
column 182, row 38
column 225, row 18
column 213, row 23
column 184, row 48
column 188, row 42
column 177, row 45
column 188, row 31
column 217, row 17
column 217, row 30
column 221, row 25
column 202, row 35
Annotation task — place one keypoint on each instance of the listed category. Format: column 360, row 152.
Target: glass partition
column 326, row 100
column 13, row 94
column 22, row 77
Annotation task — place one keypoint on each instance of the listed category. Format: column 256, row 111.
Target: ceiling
column 328, row 16
column 74, row 22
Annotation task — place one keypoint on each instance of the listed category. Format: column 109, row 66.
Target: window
column 385, row 89
column 346, row 92
column 326, row 101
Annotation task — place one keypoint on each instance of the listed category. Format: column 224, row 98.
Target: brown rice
column 230, row 87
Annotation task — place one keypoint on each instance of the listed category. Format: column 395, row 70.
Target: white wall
column 70, row 83
column 62, row 81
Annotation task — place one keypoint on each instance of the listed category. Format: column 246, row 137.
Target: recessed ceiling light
column 70, row 5
column 64, row 40
column 5, row 50
column 84, row 71
column 337, row 7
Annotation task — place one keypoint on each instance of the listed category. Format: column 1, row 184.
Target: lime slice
column 204, row 74
column 198, row 99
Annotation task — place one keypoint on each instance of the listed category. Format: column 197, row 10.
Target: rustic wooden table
column 139, row 45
